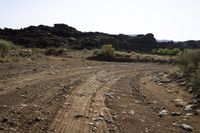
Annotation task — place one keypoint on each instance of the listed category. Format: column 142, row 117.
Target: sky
column 177, row 20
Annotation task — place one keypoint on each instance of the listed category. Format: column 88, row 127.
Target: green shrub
column 195, row 79
column 189, row 62
column 105, row 51
column 166, row 51
column 5, row 47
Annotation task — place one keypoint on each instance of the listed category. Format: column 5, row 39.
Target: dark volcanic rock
column 61, row 35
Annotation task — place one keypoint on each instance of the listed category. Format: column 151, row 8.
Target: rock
column 37, row 119
column 195, row 101
column 175, row 113
column 154, row 102
column 3, row 119
column 91, row 123
column 65, row 96
column 23, row 96
column 180, row 102
column 175, row 123
column 65, row 88
column 160, row 83
column 109, row 95
column 102, row 114
column 79, row 115
column 189, row 114
column 186, row 127
column 189, row 107
column 190, row 90
column 115, row 116
column 94, row 128
column 72, row 39
column 52, row 73
column 182, row 83
column 131, row 112
column 163, row 112
column 197, row 112
column 23, row 105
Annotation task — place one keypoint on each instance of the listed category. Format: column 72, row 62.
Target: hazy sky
column 166, row 19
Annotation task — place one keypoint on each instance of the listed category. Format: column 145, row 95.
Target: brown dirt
column 72, row 95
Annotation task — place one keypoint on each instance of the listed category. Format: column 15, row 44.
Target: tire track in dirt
column 99, row 98
column 42, row 97
column 85, row 110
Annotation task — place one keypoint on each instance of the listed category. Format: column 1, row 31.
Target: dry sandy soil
column 73, row 95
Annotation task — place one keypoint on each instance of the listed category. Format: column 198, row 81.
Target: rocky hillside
column 61, row 35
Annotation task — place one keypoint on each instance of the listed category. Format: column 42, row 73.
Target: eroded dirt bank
column 71, row 95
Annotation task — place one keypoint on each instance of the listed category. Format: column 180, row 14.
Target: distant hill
column 61, row 35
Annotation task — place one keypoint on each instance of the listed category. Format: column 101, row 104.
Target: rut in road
column 100, row 98
column 85, row 107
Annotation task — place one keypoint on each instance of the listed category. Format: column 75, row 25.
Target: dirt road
column 72, row 95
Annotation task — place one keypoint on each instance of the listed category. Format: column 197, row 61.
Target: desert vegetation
column 189, row 63
column 106, row 51
column 5, row 47
column 166, row 51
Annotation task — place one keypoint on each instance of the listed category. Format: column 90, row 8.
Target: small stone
column 101, row 114
column 35, row 105
column 109, row 95
column 65, row 96
column 23, row 96
column 3, row 120
column 131, row 112
column 37, row 119
column 24, row 105
column 52, row 73
column 163, row 112
column 175, row 113
column 115, row 116
column 186, row 127
column 91, row 123
column 154, row 102
column 182, row 84
column 79, row 115
column 175, row 123
column 146, row 130
column 180, row 102
column 190, row 90
column 189, row 114
column 65, row 88
column 94, row 129
column 189, row 108
column 57, row 99
column 197, row 112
